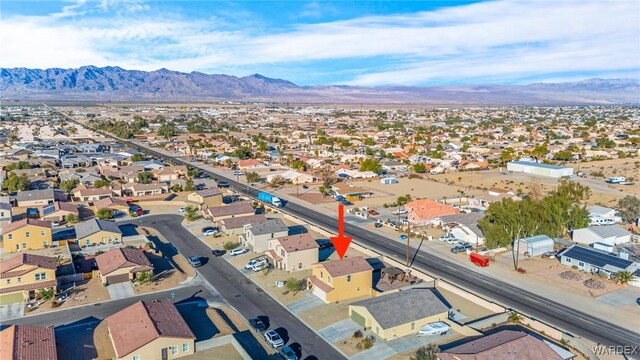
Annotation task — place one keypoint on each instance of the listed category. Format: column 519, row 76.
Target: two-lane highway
column 240, row 292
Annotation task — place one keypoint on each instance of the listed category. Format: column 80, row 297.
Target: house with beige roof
column 205, row 198
column 137, row 189
column 235, row 225
column 150, row 330
column 340, row 280
column 83, row 193
column 237, row 209
column 24, row 276
column 293, row 253
column 26, row 342
column 122, row 265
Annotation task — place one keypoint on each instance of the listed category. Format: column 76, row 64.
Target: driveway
column 120, row 290
column 309, row 302
column 12, row 311
column 339, row 330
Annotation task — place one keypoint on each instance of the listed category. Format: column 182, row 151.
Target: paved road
column 79, row 315
column 240, row 292
column 532, row 304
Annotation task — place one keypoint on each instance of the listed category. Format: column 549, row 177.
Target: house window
column 24, row 245
column 299, row 265
column 115, row 238
column 19, row 280
column 10, row 236
column 42, row 232
column 87, row 241
column 580, row 263
column 174, row 350
column 272, row 235
column 185, row 347
column 321, row 275
column 45, row 243
column 413, row 325
column 328, row 278
column 567, row 260
column 136, row 357
column 41, row 276
column 281, row 252
column 348, row 278
column 8, row 281
column 27, row 234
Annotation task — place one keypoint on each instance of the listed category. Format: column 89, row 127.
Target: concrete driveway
column 339, row 330
column 120, row 290
column 12, row 311
column 309, row 302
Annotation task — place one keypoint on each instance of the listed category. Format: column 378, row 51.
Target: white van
column 597, row 220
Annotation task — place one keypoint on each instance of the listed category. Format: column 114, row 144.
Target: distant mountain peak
column 92, row 83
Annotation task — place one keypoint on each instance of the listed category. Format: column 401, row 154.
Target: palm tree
column 625, row 276
column 514, row 317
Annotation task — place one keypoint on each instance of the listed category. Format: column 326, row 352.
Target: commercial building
column 534, row 168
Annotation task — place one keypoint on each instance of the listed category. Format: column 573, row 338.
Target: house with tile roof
column 58, row 211
column 26, row 342
column 117, row 205
column 399, row 314
column 205, row 198
column 340, row 280
column 257, row 234
column 293, row 253
column 506, row 345
column 24, row 276
column 26, row 234
column 235, row 225
column 122, row 265
column 423, row 211
column 96, row 231
column 150, row 330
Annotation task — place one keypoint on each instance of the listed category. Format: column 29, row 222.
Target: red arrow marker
column 341, row 242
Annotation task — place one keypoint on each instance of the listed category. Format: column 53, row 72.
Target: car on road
column 273, row 339
column 461, row 248
column 400, row 212
column 238, row 173
column 287, row 353
column 238, row 251
column 209, row 231
column 182, row 209
column 257, row 324
column 218, row 252
column 434, row 328
column 195, row 261
column 223, row 184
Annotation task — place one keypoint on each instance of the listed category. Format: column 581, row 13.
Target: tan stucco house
column 150, row 330
column 258, row 234
column 205, row 198
column 293, row 253
column 23, row 276
column 340, row 280
column 96, row 231
column 26, row 234
column 122, row 265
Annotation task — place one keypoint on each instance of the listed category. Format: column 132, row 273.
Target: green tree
column 176, row 188
column 507, row 155
column 420, row 168
column 230, row 245
column 101, row 183
column 69, row 184
column 426, row 353
column 104, row 214
column 72, row 218
column 167, row 130
column 242, row 153
column 16, row 182
column 293, row 285
column 145, row 177
column 20, row 165
column 278, row 180
column 191, row 213
column 137, row 157
column 252, row 177
column 629, row 208
column 625, row 276
column 189, row 186
column 514, row 317
column 371, row 164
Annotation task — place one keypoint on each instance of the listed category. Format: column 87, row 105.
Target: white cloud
column 502, row 40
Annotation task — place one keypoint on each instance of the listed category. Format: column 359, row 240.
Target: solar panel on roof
column 48, row 209
column 596, row 258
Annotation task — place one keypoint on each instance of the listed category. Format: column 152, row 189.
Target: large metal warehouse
column 534, row 168
column 535, row 245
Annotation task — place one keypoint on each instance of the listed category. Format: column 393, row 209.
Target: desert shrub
column 230, row 245
column 357, row 334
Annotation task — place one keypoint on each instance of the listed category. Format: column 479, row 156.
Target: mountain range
column 100, row 84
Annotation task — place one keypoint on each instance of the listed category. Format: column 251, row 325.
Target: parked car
column 223, row 184
column 238, row 173
column 253, row 262
column 373, row 212
column 182, row 209
column 286, row 353
column 305, row 187
column 434, row 328
column 209, row 231
column 195, row 261
column 549, row 255
column 638, row 301
column 238, row 251
column 447, row 237
column 378, row 224
column 273, row 338
column 218, row 252
column 257, row 324
column 461, row 248
column 400, row 212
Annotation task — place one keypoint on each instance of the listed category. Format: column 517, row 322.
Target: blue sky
column 367, row 43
